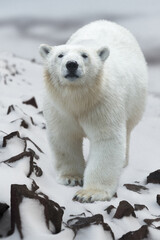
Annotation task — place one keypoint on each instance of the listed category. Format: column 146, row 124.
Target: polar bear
column 95, row 87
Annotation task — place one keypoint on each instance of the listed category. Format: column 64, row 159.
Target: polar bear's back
column 104, row 33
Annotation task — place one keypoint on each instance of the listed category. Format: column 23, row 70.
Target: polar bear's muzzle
column 72, row 70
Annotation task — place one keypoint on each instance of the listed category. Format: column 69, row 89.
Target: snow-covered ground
column 22, row 29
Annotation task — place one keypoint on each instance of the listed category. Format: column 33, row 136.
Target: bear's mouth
column 71, row 75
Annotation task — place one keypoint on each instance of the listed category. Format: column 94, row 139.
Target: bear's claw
column 91, row 195
column 71, row 180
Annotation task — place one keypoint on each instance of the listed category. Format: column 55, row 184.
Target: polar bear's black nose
column 72, row 66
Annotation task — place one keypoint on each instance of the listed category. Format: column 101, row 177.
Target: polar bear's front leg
column 65, row 139
column 69, row 161
column 104, row 166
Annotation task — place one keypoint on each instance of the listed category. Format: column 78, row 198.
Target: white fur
column 104, row 104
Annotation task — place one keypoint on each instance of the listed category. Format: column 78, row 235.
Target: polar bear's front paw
column 91, row 195
column 71, row 180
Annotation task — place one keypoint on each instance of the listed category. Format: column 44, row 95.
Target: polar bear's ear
column 103, row 53
column 44, row 50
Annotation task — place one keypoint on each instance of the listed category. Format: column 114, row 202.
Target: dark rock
column 135, row 188
column 33, row 166
column 115, row 195
column 78, row 215
column 158, row 199
column 33, row 60
column 9, row 136
column 150, row 221
column 139, row 234
column 124, row 209
column 10, row 109
column 34, row 186
column 52, row 211
column 138, row 207
column 31, row 102
column 3, row 208
column 17, row 134
column 109, row 209
column 24, row 124
column 154, row 177
column 81, row 222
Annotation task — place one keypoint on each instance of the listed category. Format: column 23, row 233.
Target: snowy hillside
column 25, row 159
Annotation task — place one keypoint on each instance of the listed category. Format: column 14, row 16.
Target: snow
column 47, row 24
column 144, row 158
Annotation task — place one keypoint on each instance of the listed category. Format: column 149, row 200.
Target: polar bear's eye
column 84, row 55
column 60, row 55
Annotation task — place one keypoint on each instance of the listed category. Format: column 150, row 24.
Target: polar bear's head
column 73, row 64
